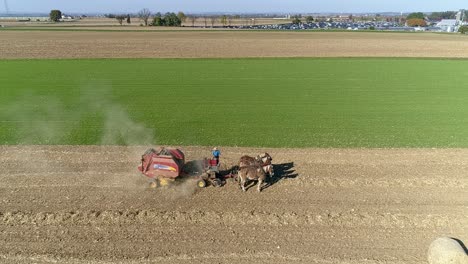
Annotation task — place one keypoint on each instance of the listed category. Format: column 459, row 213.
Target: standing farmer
column 216, row 153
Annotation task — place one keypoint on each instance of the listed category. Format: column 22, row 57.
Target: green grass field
column 369, row 102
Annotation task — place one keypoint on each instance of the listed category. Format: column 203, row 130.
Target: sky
column 243, row 6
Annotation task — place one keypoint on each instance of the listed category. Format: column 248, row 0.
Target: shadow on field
column 282, row 171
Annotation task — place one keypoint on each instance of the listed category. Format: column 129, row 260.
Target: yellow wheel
column 163, row 182
column 201, row 183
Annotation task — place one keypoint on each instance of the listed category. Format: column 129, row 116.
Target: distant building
column 452, row 25
column 448, row 25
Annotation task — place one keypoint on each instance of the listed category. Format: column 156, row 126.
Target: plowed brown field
column 227, row 44
column 88, row 204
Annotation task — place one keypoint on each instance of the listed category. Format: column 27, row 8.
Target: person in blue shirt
column 216, row 153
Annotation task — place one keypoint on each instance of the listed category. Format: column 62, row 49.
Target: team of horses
column 254, row 169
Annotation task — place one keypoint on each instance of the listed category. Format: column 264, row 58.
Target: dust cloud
column 47, row 119
column 119, row 128
column 36, row 118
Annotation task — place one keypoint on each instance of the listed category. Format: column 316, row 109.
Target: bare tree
column 224, row 20
column 206, row 20
column 229, row 20
column 193, row 19
column 213, row 20
column 120, row 18
column 144, row 15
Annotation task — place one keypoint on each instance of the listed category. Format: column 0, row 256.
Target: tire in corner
column 201, row 183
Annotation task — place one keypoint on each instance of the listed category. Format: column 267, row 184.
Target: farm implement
column 166, row 165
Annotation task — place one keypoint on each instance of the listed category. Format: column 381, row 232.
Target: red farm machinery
column 165, row 165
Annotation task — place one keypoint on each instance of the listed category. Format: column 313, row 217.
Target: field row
column 350, row 219
column 69, row 42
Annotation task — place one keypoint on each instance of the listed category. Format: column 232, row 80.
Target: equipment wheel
column 217, row 183
column 201, row 183
column 163, row 182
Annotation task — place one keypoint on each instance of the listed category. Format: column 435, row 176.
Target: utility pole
column 7, row 10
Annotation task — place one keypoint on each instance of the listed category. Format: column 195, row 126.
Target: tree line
column 169, row 19
column 176, row 20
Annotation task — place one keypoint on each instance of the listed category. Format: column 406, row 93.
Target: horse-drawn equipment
column 166, row 165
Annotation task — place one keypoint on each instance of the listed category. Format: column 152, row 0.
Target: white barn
column 448, row 25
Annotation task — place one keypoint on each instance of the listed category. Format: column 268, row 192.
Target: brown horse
column 263, row 160
column 251, row 173
column 248, row 161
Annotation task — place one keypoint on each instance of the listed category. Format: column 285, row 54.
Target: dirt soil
column 88, row 204
column 227, row 44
